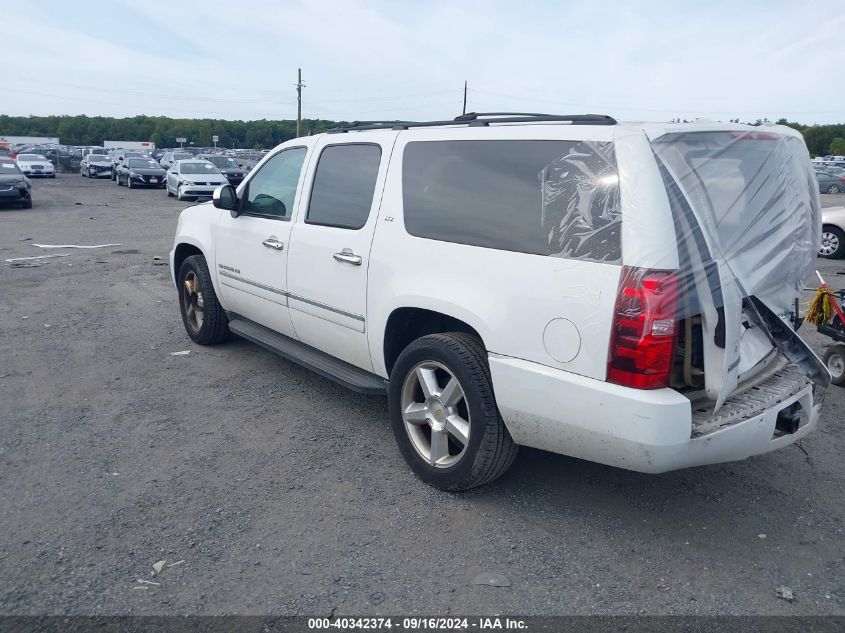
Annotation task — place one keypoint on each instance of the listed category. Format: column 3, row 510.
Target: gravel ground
column 285, row 494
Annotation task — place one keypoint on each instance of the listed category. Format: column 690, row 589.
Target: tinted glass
column 198, row 168
column 143, row 163
column 8, row 167
column 343, row 186
column 222, row 161
column 558, row 198
column 272, row 190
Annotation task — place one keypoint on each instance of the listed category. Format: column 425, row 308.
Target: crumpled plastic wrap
column 581, row 213
column 721, row 225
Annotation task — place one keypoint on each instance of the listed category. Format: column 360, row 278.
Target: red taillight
column 642, row 341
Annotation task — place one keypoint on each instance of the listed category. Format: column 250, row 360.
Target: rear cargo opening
column 747, row 222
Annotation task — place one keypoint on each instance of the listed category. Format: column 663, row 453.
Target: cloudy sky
column 367, row 59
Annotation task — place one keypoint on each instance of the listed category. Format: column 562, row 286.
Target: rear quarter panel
column 509, row 298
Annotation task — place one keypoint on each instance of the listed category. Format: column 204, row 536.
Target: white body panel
column 328, row 298
column 146, row 146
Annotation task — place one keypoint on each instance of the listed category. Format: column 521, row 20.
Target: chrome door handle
column 348, row 257
column 272, row 242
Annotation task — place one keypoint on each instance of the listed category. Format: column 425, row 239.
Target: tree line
column 263, row 134
column 163, row 131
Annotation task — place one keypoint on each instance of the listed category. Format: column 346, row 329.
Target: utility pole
column 299, row 87
column 465, row 97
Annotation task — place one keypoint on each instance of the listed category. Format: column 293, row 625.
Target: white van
column 618, row 292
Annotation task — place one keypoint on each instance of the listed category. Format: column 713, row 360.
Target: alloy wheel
column 836, row 365
column 192, row 301
column 830, row 243
column 436, row 414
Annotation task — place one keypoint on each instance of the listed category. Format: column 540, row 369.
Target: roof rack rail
column 474, row 119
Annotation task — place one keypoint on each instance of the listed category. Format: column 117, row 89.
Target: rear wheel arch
column 407, row 324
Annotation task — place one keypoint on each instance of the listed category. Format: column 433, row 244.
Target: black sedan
column 14, row 186
column 140, row 172
column 227, row 166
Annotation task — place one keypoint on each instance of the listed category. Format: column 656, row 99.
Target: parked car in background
column 829, row 183
column 102, row 151
column 227, row 166
column 140, row 172
column 191, row 179
column 248, row 160
column 835, row 171
column 833, row 233
column 35, row 165
column 171, row 157
column 96, row 166
column 15, row 187
column 118, row 157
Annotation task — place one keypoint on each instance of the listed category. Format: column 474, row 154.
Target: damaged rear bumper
column 645, row 431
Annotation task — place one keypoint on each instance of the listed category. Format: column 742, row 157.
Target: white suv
column 618, row 292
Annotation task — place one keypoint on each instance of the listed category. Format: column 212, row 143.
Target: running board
column 334, row 369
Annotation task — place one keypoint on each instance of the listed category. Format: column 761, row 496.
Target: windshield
column 31, row 157
column 182, row 156
column 143, row 163
column 98, row 158
column 222, row 161
column 132, row 155
column 8, row 167
column 198, row 168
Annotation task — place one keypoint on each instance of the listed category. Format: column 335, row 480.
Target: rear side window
column 557, row 198
column 344, row 184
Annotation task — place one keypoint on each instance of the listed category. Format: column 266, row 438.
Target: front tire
column 179, row 193
column 26, row 204
column 129, row 182
column 834, row 360
column 444, row 414
column 203, row 316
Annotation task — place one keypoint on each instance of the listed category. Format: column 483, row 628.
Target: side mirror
column 224, row 197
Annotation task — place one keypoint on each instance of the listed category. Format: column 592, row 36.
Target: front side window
column 272, row 190
column 342, row 194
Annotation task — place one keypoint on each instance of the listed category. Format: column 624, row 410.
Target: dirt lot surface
column 282, row 493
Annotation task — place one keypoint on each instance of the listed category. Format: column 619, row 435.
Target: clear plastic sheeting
column 744, row 226
column 754, row 196
column 581, row 213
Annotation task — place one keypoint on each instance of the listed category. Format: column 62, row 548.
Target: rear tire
column 467, row 411
column 834, row 189
column 834, row 360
